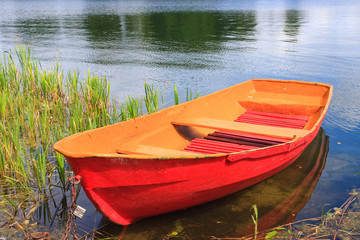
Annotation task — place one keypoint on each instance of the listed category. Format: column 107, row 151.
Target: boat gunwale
column 71, row 154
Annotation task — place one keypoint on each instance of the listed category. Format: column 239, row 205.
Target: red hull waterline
column 198, row 151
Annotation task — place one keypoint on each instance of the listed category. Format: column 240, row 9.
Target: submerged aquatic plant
column 255, row 219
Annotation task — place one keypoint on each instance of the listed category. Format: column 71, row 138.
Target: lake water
column 207, row 46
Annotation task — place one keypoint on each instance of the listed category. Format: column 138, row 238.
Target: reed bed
column 39, row 107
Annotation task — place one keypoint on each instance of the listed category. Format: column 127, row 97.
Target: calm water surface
column 207, row 46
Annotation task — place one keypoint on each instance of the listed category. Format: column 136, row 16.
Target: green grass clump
column 39, row 107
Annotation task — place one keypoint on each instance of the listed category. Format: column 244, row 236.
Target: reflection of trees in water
column 292, row 24
column 37, row 28
column 198, row 31
column 181, row 31
column 174, row 31
column 103, row 27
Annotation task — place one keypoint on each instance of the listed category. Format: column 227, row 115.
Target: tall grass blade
column 152, row 98
column 176, row 95
column 9, row 200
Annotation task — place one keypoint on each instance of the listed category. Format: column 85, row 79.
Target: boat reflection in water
column 278, row 200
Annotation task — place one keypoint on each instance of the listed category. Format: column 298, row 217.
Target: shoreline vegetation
column 340, row 223
column 39, row 107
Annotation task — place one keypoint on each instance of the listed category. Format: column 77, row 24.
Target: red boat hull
column 126, row 190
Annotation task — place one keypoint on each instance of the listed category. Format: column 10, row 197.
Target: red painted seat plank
column 252, row 137
column 265, row 122
column 217, row 148
column 273, row 120
column 215, row 145
column 211, row 147
column 209, row 142
column 278, row 115
column 240, row 142
column 202, row 150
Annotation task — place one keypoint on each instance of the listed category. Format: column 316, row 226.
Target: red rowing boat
column 197, row 151
column 278, row 200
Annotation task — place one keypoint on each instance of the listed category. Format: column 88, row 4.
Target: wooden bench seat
column 152, row 151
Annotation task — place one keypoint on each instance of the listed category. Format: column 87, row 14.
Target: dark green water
column 207, row 46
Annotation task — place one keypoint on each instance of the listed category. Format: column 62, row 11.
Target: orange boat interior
column 250, row 115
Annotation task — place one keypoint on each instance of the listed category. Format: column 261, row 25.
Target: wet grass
column 39, row 107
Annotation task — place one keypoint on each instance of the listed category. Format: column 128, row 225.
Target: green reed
column 176, row 95
column 39, row 107
column 189, row 95
column 152, row 98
